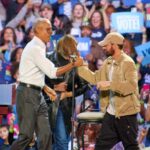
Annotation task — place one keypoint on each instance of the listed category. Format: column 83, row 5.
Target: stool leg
column 78, row 137
column 83, row 136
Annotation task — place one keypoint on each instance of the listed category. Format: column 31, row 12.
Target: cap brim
column 102, row 43
column 89, row 27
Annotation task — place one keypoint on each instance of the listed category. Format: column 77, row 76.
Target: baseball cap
column 85, row 24
column 36, row 1
column 46, row 5
column 113, row 37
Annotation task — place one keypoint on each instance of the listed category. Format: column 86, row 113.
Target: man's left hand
column 103, row 85
column 50, row 92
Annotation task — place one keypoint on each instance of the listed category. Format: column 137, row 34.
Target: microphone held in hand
column 73, row 58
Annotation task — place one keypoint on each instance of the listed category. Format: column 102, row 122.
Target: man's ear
column 37, row 30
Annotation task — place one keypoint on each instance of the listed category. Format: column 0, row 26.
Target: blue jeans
column 61, row 137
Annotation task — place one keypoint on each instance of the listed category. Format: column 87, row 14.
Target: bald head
column 39, row 23
column 42, row 29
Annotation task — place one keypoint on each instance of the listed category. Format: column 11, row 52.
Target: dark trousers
column 115, row 130
column 32, row 117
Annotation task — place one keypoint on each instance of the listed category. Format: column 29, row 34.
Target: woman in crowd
column 97, row 23
column 78, row 15
column 7, row 41
column 16, row 54
column 62, row 25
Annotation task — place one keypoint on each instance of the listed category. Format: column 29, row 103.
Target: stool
column 86, row 118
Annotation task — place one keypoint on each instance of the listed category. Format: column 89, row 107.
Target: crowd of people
column 29, row 26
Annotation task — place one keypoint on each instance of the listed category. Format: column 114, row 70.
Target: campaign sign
column 83, row 46
column 144, row 51
column 148, row 17
column 129, row 2
column 146, row 60
column 6, row 94
column 65, row 8
column 145, row 1
column 127, row 22
column 55, row 38
column 50, row 1
column 5, row 74
column 61, row 9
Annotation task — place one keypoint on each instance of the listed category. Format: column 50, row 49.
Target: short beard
column 110, row 53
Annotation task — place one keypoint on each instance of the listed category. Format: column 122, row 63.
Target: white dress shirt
column 34, row 64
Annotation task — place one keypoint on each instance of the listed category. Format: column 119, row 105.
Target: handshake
column 77, row 62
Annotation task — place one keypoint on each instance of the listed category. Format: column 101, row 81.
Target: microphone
column 73, row 57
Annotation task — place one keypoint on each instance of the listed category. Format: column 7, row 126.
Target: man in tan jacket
column 117, row 81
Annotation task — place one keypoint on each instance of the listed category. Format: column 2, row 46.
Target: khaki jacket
column 124, row 84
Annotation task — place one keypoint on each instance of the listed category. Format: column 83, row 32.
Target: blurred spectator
column 28, row 36
column 129, row 49
column 145, row 91
column 16, row 54
column 147, row 112
column 2, row 16
column 7, row 45
column 62, row 25
column 96, row 51
column 12, row 8
column 97, row 23
column 33, row 14
column 123, row 8
column 86, row 29
column 6, row 134
column 7, row 41
column 19, row 22
column 99, row 63
column 14, row 127
column 88, row 105
column 46, row 11
column 109, row 10
column 15, row 71
column 144, row 135
column 144, row 74
column 78, row 14
column 20, row 17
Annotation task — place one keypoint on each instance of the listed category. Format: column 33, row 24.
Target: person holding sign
column 30, row 103
column 118, row 82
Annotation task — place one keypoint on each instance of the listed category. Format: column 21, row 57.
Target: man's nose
column 50, row 32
